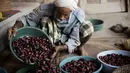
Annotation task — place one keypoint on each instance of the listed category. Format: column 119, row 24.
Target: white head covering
column 71, row 4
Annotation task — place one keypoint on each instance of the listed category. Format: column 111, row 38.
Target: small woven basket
column 123, row 69
column 5, row 5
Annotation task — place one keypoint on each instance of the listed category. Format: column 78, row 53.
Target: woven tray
column 123, row 69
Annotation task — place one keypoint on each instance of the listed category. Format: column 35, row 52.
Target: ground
column 105, row 38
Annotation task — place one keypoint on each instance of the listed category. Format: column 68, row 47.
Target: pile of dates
column 80, row 66
column 45, row 67
column 35, row 50
column 115, row 59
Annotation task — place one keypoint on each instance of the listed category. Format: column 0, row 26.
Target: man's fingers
column 53, row 56
column 9, row 33
column 14, row 31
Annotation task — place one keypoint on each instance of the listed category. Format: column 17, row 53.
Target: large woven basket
column 123, row 69
column 5, row 5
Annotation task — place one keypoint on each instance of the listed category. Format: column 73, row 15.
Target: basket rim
column 108, row 51
column 10, row 42
column 99, row 69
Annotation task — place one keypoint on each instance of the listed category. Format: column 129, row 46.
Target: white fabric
column 71, row 47
column 71, row 4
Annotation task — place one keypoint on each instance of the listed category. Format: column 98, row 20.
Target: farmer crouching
column 63, row 21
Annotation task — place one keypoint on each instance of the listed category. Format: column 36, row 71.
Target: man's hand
column 12, row 30
column 59, row 49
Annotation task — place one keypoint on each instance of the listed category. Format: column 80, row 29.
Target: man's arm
column 33, row 18
column 74, row 39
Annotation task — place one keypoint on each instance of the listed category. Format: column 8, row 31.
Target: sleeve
column 33, row 18
column 86, row 29
column 74, row 40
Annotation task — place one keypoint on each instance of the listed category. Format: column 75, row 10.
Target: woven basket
column 123, row 69
column 5, row 5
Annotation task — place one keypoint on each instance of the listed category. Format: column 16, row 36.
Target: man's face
column 63, row 13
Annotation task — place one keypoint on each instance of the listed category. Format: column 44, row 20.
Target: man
column 63, row 21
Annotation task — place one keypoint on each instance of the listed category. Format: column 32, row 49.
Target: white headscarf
column 71, row 4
